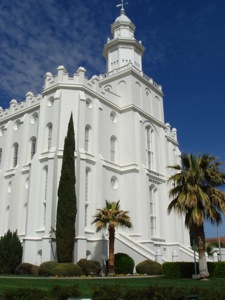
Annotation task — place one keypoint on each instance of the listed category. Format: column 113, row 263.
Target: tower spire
column 121, row 5
column 123, row 49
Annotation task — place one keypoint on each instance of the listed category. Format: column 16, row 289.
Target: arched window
column 49, row 135
column 89, row 103
column 156, row 108
column 16, row 125
column 108, row 87
column 138, row 92
column 0, row 156
column 50, row 101
column 113, row 146
column 113, row 117
column 45, row 183
column 149, row 147
column 87, row 146
column 15, row 154
column 87, row 194
column 33, row 147
column 44, row 201
column 34, row 118
column 87, row 174
column 152, row 196
column 122, row 88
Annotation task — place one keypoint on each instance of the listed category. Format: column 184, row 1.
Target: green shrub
column 66, row 270
column 27, row 269
column 218, row 269
column 179, row 269
column 124, row 264
column 55, row 293
column 149, row 267
column 107, row 292
column 63, row 293
column 169, row 292
column 24, row 294
column 115, row 292
column 52, row 268
column 89, row 267
column 209, row 293
column 150, row 292
column 211, row 267
column 46, row 267
column 11, row 252
column 171, row 270
column 186, row 269
column 137, row 294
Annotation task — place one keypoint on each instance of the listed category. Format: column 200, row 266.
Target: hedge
column 186, row 269
column 55, row 293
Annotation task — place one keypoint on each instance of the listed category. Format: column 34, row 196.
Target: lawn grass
column 86, row 285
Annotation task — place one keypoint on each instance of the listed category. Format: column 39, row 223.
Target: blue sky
column 185, row 53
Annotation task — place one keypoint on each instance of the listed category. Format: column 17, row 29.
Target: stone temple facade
column 123, row 148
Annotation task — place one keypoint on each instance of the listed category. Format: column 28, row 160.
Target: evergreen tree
column 67, row 208
column 11, row 252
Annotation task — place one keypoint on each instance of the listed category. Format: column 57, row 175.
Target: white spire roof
column 122, row 17
column 123, row 49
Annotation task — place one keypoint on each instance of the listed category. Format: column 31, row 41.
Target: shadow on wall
column 100, row 253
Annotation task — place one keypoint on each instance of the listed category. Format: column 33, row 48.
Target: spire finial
column 121, row 5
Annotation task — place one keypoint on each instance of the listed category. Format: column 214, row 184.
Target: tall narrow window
column 113, row 149
column 46, row 183
column 149, row 147
column 43, row 199
column 0, row 156
column 87, row 138
column 153, row 225
column 87, row 187
column 49, row 136
column 33, row 147
column 87, row 184
column 152, row 196
column 45, row 195
column 15, row 154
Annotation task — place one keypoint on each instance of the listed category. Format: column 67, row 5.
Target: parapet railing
column 130, row 66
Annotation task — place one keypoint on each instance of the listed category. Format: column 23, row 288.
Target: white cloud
column 38, row 36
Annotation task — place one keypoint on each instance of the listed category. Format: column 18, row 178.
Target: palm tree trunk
column 203, row 268
column 111, row 269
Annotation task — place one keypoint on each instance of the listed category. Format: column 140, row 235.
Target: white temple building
column 123, row 148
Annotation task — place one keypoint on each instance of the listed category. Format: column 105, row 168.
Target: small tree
column 111, row 217
column 11, row 252
column 67, row 208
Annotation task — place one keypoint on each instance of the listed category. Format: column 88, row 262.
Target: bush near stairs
column 149, row 267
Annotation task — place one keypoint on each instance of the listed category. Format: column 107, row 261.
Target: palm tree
column 196, row 194
column 111, row 217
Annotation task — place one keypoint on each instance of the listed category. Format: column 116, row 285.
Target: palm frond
column 195, row 192
column 111, row 216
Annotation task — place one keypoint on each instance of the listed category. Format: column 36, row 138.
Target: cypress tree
column 11, row 252
column 67, row 208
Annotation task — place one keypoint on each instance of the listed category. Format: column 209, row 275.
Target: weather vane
column 122, row 4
